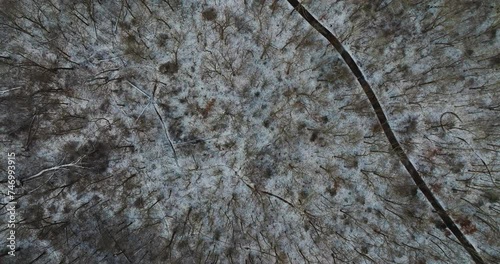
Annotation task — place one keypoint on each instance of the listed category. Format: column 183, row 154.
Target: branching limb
column 164, row 125
column 73, row 164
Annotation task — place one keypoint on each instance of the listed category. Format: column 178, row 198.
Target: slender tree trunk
column 396, row 146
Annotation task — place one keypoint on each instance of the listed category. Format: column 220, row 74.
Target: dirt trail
column 389, row 132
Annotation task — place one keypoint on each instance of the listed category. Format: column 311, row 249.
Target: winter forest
column 249, row 131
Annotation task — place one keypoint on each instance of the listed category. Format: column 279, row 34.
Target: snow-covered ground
column 232, row 132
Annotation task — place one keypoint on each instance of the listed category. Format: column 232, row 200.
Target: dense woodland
column 169, row 131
